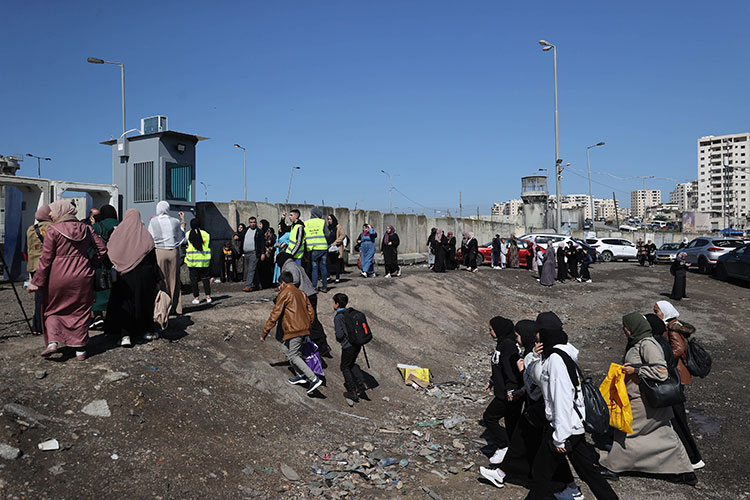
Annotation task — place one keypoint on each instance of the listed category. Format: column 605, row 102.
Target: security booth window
column 179, row 182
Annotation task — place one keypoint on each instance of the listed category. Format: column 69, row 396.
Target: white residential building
column 606, row 208
column 641, row 199
column 681, row 196
column 724, row 179
column 511, row 208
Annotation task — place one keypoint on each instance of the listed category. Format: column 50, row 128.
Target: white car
column 545, row 238
column 613, row 248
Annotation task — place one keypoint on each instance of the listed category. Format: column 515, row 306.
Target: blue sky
column 451, row 96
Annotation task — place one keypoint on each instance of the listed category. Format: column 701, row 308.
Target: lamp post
column 244, row 167
column 291, row 176
column 390, row 190
column 545, row 47
column 39, row 163
column 94, row 60
column 588, row 166
column 205, row 190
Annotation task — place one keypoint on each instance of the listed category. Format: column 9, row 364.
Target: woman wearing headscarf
column 653, row 447
column 571, row 256
column 169, row 234
column 450, row 249
column 198, row 258
column 441, row 255
column 335, row 238
column 531, row 259
column 547, row 270
column 506, row 385
column 389, row 248
column 239, row 262
column 431, row 247
column 281, row 243
column 472, row 252
column 666, row 311
column 106, row 221
column 65, row 274
column 266, row 262
column 679, row 271
column 34, row 243
column 130, row 312
column 366, row 241
column 562, row 266
column 513, row 261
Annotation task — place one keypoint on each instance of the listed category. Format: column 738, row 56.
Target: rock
column 26, row 413
column 453, row 470
column 316, row 491
column 40, row 374
column 248, row 470
column 386, row 398
column 350, row 402
column 289, row 473
column 56, row 470
column 347, row 485
column 438, row 474
column 8, row 452
column 115, row 376
column 450, row 423
column 458, row 445
column 97, row 408
column 469, row 466
column 206, row 391
column 368, row 447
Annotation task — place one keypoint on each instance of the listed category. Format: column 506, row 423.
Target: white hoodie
column 559, row 394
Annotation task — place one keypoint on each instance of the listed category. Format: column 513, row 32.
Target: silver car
column 667, row 252
column 705, row 251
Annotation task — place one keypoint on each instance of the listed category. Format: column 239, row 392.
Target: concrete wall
column 220, row 219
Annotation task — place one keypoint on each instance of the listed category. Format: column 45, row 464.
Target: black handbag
column 662, row 394
column 102, row 275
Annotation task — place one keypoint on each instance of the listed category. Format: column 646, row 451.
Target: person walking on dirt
column 651, row 253
column 34, row 243
column 679, row 271
column 296, row 315
column 354, row 381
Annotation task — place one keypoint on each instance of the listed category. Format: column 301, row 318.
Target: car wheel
column 721, row 272
column 607, row 256
column 480, row 259
column 703, row 266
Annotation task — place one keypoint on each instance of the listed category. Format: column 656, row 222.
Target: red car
column 485, row 254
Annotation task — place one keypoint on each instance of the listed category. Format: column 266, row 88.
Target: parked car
column 734, row 264
column 588, row 249
column 613, row 248
column 705, row 251
column 485, row 253
column 667, row 252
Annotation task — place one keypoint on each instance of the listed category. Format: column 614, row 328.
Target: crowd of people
column 536, row 386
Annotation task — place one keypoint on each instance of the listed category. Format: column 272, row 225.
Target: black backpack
column 357, row 327
column 699, row 360
column 597, row 411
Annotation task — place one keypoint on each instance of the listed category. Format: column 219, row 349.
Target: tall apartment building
column 605, row 208
column 510, row 208
column 681, row 196
column 723, row 177
column 641, row 199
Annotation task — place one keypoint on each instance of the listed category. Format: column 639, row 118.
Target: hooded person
column 389, row 248
column 679, row 270
column 547, row 270
column 653, row 447
column 34, row 242
column 506, row 384
column 315, row 241
column 431, row 247
column 266, row 263
column 106, row 221
column 130, row 311
column 65, row 275
column 554, row 371
column 472, row 254
column 335, row 236
column 441, row 252
column 169, row 234
column 562, row 267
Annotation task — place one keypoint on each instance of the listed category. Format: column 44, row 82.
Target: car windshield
column 727, row 243
column 670, row 246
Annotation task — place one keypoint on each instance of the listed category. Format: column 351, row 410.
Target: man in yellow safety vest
column 296, row 245
column 315, row 241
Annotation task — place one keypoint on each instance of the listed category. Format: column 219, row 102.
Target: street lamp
column 588, row 166
column 390, row 190
column 244, row 166
column 94, row 60
column 205, row 190
column 291, row 175
column 545, row 47
column 39, row 163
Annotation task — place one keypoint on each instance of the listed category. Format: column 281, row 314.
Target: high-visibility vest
column 199, row 258
column 293, row 241
column 315, row 237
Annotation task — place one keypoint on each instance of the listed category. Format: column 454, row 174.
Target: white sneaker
column 498, row 456
column 388, row 275
column 208, row 299
column 364, row 274
column 495, row 476
column 398, row 274
column 587, row 281
column 217, row 280
column 196, row 301
column 125, row 341
column 699, row 465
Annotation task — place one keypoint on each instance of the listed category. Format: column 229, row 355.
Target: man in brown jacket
column 296, row 314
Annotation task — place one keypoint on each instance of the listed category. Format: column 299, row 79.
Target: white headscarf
column 162, row 208
column 667, row 310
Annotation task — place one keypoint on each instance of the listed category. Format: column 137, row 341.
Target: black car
column 734, row 264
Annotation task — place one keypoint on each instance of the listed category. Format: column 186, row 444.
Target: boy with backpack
column 352, row 332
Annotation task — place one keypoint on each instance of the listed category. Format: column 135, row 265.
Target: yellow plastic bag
column 415, row 374
column 616, row 395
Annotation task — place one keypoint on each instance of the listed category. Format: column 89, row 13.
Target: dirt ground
column 206, row 411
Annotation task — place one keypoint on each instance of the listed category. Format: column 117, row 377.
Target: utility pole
column 617, row 213
column 460, row 207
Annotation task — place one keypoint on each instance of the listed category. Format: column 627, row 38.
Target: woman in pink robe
column 66, row 277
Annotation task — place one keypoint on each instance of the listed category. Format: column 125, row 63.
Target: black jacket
column 392, row 238
column 260, row 241
column 505, row 375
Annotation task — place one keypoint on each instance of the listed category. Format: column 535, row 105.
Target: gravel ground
column 206, row 412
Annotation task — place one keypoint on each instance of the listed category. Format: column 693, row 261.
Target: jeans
column 350, row 369
column 251, row 262
column 199, row 274
column 319, row 259
column 291, row 349
column 495, row 258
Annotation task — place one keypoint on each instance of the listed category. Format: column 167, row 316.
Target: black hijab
column 502, row 327
column 282, row 258
column 333, row 224
column 551, row 332
column 107, row 212
column 264, row 225
column 657, row 325
column 527, row 330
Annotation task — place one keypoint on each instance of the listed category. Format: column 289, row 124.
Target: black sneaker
column 299, row 379
column 351, row 395
column 314, row 385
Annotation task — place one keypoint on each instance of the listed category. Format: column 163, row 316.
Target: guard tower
column 535, row 197
column 158, row 164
